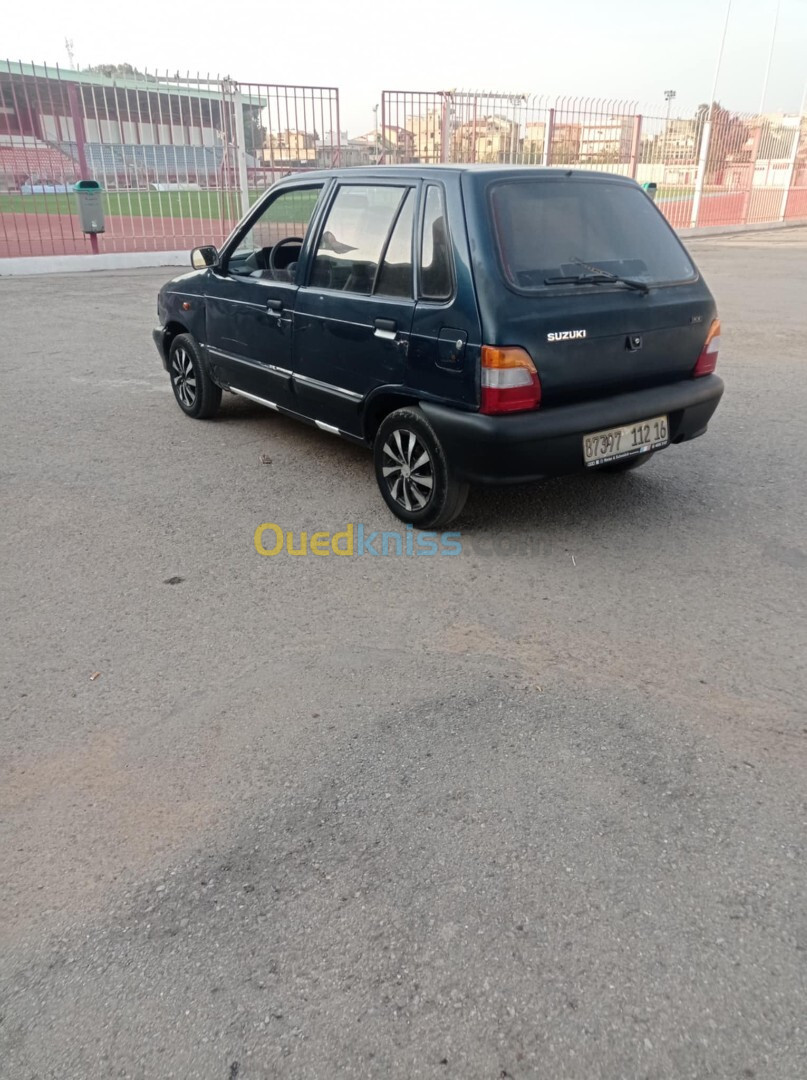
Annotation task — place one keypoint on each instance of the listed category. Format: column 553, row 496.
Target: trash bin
column 89, row 195
column 650, row 190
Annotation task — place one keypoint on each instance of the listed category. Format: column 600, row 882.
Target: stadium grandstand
column 127, row 132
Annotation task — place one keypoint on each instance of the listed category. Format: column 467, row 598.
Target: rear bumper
column 530, row 446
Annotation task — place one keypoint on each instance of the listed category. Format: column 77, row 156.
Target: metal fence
column 720, row 169
column 181, row 157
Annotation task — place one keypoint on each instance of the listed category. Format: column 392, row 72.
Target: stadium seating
column 135, row 165
column 36, row 162
column 114, row 164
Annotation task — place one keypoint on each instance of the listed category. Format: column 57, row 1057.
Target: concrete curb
column 72, row 264
column 739, row 230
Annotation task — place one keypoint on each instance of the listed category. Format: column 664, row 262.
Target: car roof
column 499, row 172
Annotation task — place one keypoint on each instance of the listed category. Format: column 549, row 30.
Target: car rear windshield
column 547, row 228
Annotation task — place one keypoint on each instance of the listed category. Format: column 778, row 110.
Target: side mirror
column 204, row 256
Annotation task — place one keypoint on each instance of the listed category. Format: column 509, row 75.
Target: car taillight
column 510, row 382
column 707, row 361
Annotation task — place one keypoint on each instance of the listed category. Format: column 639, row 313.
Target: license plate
column 628, row 441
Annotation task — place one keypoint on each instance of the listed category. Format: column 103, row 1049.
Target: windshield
column 546, row 229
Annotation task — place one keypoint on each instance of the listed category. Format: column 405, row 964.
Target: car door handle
column 275, row 305
column 385, row 328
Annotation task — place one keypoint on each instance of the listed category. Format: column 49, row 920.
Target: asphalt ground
column 534, row 810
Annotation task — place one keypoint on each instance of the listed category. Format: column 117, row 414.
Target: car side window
column 354, row 236
column 282, row 225
column 395, row 275
column 435, row 255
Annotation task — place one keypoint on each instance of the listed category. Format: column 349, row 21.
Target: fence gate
column 497, row 128
column 179, row 157
column 719, row 169
column 280, row 130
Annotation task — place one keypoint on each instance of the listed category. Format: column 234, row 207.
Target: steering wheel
column 280, row 244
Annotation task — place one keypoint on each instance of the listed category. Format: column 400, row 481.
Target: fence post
column 77, row 116
column 700, row 177
column 241, row 149
column 791, row 171
column 380, row 149
column 634, row 145
column 549, row 131
column 338, row 160
column 792, row 158
column 515, row 131
column 748, row 195
column 445, row 126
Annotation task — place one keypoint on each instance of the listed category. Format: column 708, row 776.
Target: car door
column 249, row 298
column 446, row 333
column 353, row 319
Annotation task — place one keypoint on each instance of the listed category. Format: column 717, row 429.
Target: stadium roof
column 196, row 87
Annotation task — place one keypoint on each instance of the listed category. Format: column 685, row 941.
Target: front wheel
column 195, row 392
column 413, row 474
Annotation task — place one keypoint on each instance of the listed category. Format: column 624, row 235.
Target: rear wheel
column 626, row 464
column 413, row 473
column 195, row 392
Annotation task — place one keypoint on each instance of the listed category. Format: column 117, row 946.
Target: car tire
column 195, row 392
column 627, row 464
column 411, row 466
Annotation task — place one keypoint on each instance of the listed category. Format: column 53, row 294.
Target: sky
column 616, row 49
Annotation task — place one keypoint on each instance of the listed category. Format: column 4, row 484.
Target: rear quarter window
column 544, row 228
column 436, row 281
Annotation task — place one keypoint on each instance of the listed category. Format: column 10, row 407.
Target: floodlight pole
column 706, row 137
column 234, row 90
column 794, row 150
column 770, row 58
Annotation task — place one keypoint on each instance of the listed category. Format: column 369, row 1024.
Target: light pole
column 706, row 134
column 770, row 58
column 375, row 129
column 794, row 150
column 669, row 96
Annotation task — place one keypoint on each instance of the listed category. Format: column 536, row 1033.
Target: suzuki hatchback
column 470, row 324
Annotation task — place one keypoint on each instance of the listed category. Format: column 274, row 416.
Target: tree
column 111, row 70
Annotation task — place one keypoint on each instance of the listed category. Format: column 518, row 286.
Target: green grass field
column 206, row 205
column 212, row 205
column 668, row 191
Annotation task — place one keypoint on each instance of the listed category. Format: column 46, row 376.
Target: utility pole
column 375, row 129
column 794, row 150
column 770, row 58
column 706, row 135
column 231, row 89
column 669, row 96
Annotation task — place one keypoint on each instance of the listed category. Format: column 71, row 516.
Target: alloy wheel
column 183, row 377
column 408, row 469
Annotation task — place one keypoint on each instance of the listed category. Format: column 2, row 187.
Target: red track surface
column 737, row 208
column 56, row 234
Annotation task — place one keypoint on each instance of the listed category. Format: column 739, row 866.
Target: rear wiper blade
column 596, row 279
column 598, row 271
column 579, row 279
